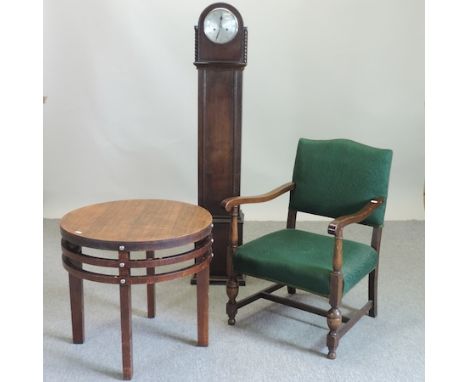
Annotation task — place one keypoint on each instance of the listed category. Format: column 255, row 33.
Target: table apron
column 143, row 263
column 203, row 256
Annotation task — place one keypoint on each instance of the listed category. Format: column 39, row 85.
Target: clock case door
column 220, row 68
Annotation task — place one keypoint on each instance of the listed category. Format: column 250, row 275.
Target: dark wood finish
column 336, row 278
column 373, row 276
column 77, row 308
column 77, row 303
column 219, row 138
column 291, row 224
column 220, row 68
column 159, row 277
column 232, row 205
column 231, row 202
column 126, row 316
column 294, row 304
column 266, row 294
column 258, row 295
column 219, row 280
column 150, row 289
column 95, row 223
column 337, row 323
column 334, row 316
column 232, row 285
column 203, row 280
column 291, row 220
column 148, row 263
column 355, row 318
column 233, row 53
column 218, row 266
column 104, row 225
column 337, row 225
column 291, row 290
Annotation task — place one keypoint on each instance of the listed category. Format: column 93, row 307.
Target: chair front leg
column 232, row 285
column 334, row 317
column 232, row 289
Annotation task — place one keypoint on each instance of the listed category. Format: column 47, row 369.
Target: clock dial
column 220, row 25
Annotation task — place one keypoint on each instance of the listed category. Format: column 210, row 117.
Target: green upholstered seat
column 303, row 260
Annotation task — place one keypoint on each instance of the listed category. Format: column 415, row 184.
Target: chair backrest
column 338, row 177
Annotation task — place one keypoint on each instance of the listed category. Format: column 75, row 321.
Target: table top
column 140, row 224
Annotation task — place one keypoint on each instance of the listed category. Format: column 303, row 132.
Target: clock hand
column 220, row 22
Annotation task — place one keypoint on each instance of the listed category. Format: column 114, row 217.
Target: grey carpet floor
column 269, row 341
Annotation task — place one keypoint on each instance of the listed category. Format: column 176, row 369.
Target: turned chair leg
column 232, row 285
column 291, row 290
column 334, row 317
column 373, row 292
column 232, row 289
column 334, row 321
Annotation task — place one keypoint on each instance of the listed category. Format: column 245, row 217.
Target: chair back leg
column 373, row 292
column 374, row 275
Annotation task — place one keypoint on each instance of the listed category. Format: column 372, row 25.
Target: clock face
column 220, row 25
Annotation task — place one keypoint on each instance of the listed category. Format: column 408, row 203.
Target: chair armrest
column 337, row 225
column 234, row 201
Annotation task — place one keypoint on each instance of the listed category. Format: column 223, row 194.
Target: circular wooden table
column 136, row 225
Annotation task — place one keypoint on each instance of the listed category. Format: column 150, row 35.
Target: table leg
column 126, row 316
column 202, row 306
column 77, row 308
column 76, row 302
column 150, row 289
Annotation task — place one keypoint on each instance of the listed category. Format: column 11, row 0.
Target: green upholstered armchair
column 340, row 179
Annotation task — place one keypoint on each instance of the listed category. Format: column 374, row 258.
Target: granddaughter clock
column 220, row 58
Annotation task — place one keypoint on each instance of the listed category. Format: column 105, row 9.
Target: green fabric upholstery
column 338, row 177
column 303, row 260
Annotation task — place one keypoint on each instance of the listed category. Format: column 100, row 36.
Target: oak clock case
column 220, row 58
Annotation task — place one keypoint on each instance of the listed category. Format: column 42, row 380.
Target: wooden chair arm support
column 234, row 201
column 336, row 226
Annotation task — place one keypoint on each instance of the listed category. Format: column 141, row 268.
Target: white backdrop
column 121, row 117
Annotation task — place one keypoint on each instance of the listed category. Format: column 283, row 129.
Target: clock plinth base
column 221, row 236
